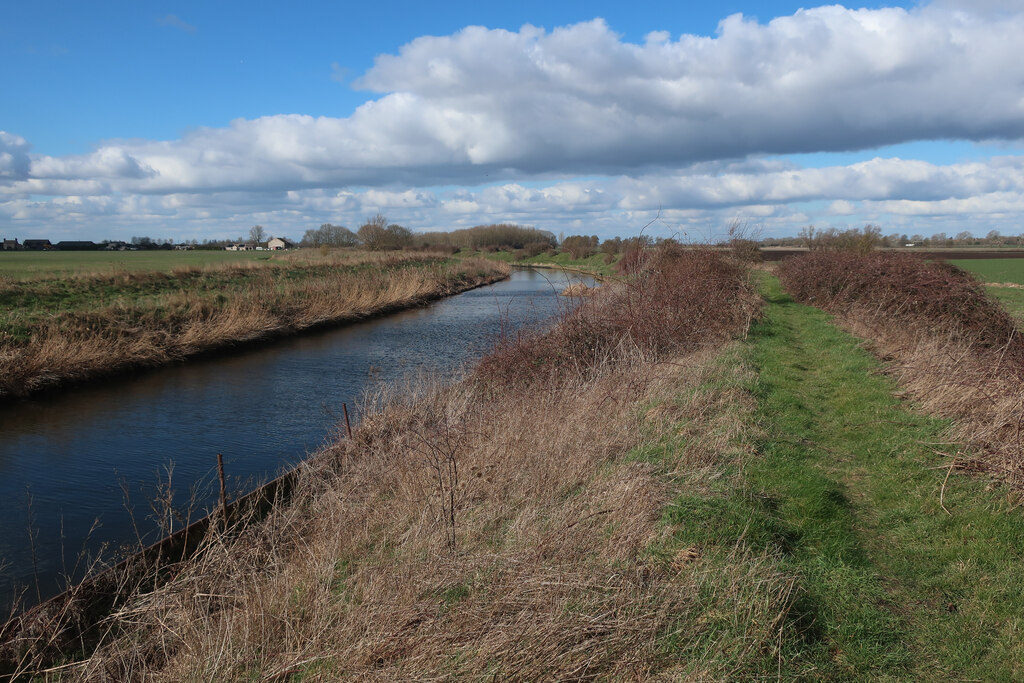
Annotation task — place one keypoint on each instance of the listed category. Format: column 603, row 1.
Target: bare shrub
column 685, row 298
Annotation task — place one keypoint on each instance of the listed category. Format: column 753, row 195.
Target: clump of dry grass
column 488, row 529
column 956, row 350
column 186, row 315
column 577, row 289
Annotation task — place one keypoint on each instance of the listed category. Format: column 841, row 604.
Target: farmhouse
column 278, row 243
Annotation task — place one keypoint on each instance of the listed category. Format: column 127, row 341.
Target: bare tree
column 374, row 233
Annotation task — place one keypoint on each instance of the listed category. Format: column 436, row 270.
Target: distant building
column 11, row 245
column 278, row 243
column 37, row 245
column 75, row 245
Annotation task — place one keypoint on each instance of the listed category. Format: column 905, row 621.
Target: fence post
column 223, row 488
column 348, row 427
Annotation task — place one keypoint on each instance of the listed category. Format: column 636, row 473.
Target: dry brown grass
column 549, row 578
column 182, row 319
column 483, row 531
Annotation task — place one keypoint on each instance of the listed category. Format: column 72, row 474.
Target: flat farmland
column 994, row 269
column 1000, row 271
column 26, row 265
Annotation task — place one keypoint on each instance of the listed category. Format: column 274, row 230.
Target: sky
column 197, row 120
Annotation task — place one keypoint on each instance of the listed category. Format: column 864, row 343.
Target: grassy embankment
column 61, row 327
column 630, row 496
column 954, row 349
column 905, row 570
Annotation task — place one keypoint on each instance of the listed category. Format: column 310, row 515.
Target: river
column 76, row 469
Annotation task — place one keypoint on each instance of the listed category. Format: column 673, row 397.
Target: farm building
column 76, row 245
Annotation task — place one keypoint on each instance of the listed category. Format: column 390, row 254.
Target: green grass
column 22, row 265
column 1012, row 299
column 897, row 586
column 845, row 494
column 994, row 270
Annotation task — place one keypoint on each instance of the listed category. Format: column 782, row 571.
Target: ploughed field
column 61, row 325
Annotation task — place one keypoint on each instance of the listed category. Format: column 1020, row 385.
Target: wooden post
column 348, row 427
column 223, row 488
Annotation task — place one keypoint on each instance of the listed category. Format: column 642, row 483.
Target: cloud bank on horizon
column 576, row 130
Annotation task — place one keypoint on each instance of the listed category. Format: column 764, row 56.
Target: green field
column 1000, row 270
column 994, row 270
column 23, row 265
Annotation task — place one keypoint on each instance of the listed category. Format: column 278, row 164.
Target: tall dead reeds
column 56, row 332
column 956, row 350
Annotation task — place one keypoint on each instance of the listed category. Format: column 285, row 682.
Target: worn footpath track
column 909, row 570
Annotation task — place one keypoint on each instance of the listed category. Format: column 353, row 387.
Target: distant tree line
column 832, row 238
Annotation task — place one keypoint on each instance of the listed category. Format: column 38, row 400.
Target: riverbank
column 502, row 503
column 54, row 332
column 681, row 481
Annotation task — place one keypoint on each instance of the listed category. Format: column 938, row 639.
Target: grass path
column 851, row 495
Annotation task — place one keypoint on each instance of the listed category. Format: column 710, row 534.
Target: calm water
column 76, row 455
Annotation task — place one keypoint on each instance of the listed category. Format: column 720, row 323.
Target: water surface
column 91, row 460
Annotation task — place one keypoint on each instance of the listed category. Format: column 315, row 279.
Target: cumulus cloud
column 107, row 162
column 579, row 99
column 14, row 158
column 681, row 124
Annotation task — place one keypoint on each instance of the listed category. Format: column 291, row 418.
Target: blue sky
column 193, row 120
column 78, row 73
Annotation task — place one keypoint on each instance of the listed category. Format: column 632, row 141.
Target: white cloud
column 14, row 159
column 580, row 100
column 685, row 125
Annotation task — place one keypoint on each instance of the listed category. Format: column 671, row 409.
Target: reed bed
column 56, row 331
column 499, row 528
column 954, row 349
